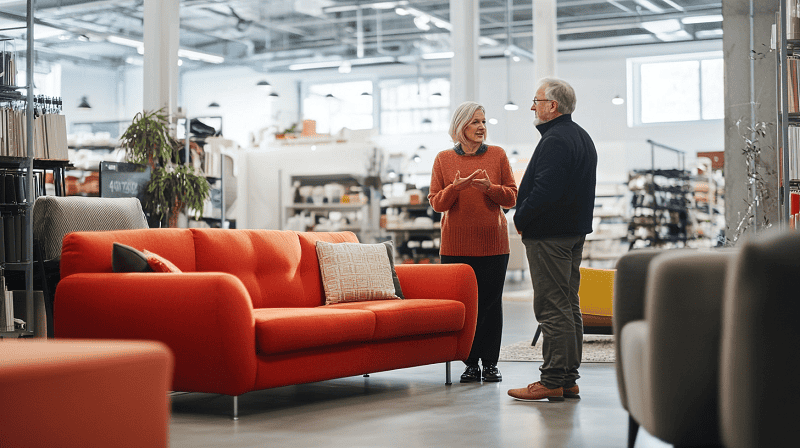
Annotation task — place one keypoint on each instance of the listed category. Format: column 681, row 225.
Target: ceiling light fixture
column 366, row 94
column 701, row 19
column 493, row 121
column 345, row 67
column 441, row 55
column 662, row 26
column 617, row 101
column 84, row 104
column 263, row 84
column 335, row 63
column 422, row 22
column 182, row 53
column 213, row 104
column 509, row 106
column 274, row 94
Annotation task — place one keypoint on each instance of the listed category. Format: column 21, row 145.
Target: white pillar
column 545, row 38
column 464, row 66
column 161, row 43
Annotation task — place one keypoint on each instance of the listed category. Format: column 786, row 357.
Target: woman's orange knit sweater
column 473, row 225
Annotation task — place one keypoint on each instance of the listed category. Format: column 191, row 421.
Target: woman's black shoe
column 471, row 374
column 491, row 374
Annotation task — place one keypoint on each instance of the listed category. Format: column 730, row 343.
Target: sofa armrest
column 206, row 319
column 447, row 282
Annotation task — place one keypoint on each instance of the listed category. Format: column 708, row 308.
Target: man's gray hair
column 461, row 117
column 560, row 91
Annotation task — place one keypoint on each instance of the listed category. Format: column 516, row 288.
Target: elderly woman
column 469, row 185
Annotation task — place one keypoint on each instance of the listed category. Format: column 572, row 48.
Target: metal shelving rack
column 785, row 48
column 26, row 163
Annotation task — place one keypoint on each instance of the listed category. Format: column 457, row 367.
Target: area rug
column 596, row 348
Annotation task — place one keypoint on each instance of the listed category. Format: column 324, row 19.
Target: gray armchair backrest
column 56, row 216
column 629, row 291
column 683, row 311
column 759, row 355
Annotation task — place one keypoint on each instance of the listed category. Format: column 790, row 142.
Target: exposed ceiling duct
column 275, row 34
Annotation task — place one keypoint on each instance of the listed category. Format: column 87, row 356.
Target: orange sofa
column 248, row 312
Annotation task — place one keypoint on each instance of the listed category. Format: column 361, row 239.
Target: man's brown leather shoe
column 572, row 392
column 537, row 391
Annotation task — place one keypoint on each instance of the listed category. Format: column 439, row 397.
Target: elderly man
column 554, row 214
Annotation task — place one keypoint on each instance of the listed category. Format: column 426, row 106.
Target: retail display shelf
column 328, row 207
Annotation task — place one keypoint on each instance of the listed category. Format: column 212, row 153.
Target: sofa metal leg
column 633, row 430
column 447, row 381
column 235, row 407
column 366, row 375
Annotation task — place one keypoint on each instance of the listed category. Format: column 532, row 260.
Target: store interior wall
column 597, row 76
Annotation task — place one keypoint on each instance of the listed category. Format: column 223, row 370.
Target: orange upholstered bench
column 84, row 394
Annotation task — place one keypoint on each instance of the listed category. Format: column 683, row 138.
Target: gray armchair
column 56, row 216
column 667, row 318
column 759, row 344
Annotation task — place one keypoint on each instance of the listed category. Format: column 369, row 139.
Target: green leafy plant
column 172, row 186
column 147, row 139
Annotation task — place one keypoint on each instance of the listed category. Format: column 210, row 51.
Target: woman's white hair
column 461, row 117
column 561, row 92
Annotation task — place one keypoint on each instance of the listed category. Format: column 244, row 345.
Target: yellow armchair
column 596, row 295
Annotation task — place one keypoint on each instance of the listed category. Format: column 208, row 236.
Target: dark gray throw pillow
column 127, row 259
column 390, row 250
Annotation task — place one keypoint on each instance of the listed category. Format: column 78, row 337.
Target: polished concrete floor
column 413, row 408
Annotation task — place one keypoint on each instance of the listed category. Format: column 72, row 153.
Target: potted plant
column 172, row 186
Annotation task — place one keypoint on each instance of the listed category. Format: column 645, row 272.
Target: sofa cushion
column 266, row 261
column 353, row 272
column 398, row 291
column 280, row 330
column 128, row 259
column 309, row 264
column 398, row 318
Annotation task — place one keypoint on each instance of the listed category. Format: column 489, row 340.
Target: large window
column 341, row 105
column 675, row 88
column 410, row 106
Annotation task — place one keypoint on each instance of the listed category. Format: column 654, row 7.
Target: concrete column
column 750, row 97
column 545, row 38
column 464, row 65
column 161, row 43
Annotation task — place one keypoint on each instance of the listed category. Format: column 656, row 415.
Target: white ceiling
column 271, row 35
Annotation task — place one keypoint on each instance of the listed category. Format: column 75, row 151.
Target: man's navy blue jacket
column 556, row 195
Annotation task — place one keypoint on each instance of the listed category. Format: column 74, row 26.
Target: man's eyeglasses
column 537, row 101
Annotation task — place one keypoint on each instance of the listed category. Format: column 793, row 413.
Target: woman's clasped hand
column 481, row 183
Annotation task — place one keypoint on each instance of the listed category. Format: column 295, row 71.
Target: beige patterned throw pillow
column 354, row 272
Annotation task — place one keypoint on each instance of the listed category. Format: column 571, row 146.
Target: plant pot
column 173, row 214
